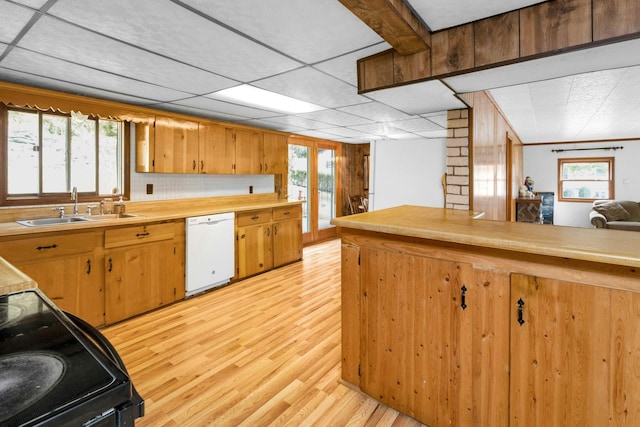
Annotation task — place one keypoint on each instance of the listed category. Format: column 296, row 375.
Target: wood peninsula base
column 456, row 321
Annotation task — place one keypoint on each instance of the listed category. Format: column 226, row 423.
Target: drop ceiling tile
column 175, row 32
column 440, row 118
column 34, row 4
column 419, row 98
column 33, row 80
column 377, row 129
column 345, row 67
column 30, row 62
column 595, row 59
column 348, row 133
column 318, row 134
column 307, row 84
column 269, row 124
column 199, row 112
column 12, row 19
column 300, row 122
column 377, row 112
column 434, row 134
column 416, row 125
column 206, row 103
column 323, row 28
column 336, row 118
column 53, row 37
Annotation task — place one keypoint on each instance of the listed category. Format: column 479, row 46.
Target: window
column 585, row 179
column 47, row 154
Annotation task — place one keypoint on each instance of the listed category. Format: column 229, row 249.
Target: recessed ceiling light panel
column 256, row 97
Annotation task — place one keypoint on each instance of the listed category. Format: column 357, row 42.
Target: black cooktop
column 50, row 372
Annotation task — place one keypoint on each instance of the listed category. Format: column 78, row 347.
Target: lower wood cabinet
column 267, row 238
column 67, row 268
column 287, row 235
column 452, row 336
column 144, row 269
column 575, row 354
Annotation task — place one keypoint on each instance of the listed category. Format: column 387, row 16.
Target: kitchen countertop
column 171, row 210
column 13, row 280
column 598, row 245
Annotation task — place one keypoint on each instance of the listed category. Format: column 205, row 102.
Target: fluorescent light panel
column 256, row 97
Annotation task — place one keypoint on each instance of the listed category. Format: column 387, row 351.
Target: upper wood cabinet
column 249, row 151
column 181, row 146
column 217, row 155
column 176, row 146
column 167, row 146
column 276, row 153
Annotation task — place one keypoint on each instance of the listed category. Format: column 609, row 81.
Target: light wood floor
column 264, row 351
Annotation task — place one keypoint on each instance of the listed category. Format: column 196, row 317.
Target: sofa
column 616, row 214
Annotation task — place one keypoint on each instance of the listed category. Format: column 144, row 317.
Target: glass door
column 313, row 180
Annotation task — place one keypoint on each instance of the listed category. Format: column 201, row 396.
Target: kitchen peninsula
column 461, row 321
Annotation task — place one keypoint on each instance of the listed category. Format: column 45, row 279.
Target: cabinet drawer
column 51, row 246
column 289, row 212
column 116, row 237
column 254, row 217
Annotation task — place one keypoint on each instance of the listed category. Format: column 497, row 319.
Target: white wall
column 542, row 165
column 407, row 172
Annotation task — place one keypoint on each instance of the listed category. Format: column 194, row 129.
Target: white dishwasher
column 210, row 251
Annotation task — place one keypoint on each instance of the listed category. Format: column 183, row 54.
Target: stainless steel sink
column 52, row 221
column 72, row 219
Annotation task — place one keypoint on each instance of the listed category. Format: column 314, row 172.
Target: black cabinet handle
column 463, row 297
column 275, row 230
column 142, row 234
column 255, row 218
column 110, row 265
column 88, row 266
column 201, row 165
column 42, row 248
column 194, row 165
column 520, row 311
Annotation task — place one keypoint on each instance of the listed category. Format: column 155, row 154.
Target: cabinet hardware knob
column 275, row 230
column 110, row 265
column 142, row 234
column 194, row 165
column 520, row 311
column 463, row 297
column 88, row 266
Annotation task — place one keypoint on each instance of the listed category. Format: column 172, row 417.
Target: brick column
column 458, row 182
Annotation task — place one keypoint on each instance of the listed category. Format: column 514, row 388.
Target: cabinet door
column 276, row 153
column 217, row 153
column 145, row 147
column 249, row 152
column 176, row 146
column 416, row 337
column 74, row 284
column 287, row 242
column 254, row 249
column 569, row 355
column 139, row 278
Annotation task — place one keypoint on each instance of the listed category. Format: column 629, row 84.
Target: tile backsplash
column 186, row 186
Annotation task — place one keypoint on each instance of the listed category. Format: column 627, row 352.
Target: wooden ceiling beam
column 395, row 22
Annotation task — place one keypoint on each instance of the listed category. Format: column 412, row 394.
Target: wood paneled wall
column 547, row 28
column 494, row 147
column 353, row 179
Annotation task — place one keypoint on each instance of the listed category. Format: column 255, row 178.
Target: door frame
column 314, row 234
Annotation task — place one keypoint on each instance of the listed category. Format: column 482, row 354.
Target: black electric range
column 57, row 370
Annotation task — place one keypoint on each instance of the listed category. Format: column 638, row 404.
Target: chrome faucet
column 74, row 197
